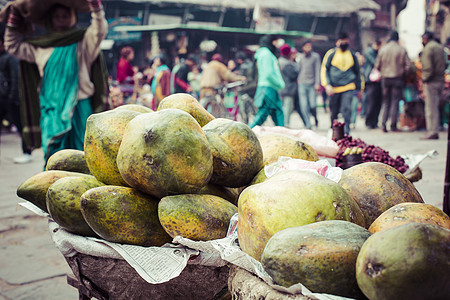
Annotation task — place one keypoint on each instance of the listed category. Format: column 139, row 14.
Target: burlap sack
column 34, row 10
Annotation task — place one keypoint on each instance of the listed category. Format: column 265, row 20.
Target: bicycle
column 228, row 103
column 247, row 109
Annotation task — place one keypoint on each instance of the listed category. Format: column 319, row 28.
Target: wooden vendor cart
column 107, row 278
column 113, row 271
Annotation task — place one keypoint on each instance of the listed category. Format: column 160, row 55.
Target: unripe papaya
column 259, row 177
column 228, row 194
column 63, row 203
column 68, row 160
column 237, row 153
column 194, row 216
column 34, row 189
column 165, row 153
column 123, row 215
column 289, row 199
column 321, row 256
column 410, row 261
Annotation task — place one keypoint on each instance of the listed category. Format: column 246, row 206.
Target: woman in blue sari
column 62, row 62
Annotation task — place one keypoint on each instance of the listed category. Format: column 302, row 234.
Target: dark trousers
column 392, row 94
column 373, row 103
column 342, row 102
column 12, row 110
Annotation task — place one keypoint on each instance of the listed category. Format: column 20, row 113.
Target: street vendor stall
column 162, row 204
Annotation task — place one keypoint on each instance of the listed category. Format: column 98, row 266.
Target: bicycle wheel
column 216, row 109
column 247, row 110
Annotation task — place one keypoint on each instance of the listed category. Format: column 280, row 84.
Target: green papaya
column 410, row 261
column 194, row 216
column 260, row 177
column 63, row 203
column 165, row 153
column 123, row 215
column 288, row 199
column 68, row 160
column 34, row 189
column 321, row 256
column 220, row 191
column 237, row 153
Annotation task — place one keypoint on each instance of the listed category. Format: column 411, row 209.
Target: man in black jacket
column 373, row 91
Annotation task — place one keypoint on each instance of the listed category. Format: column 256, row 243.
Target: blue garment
column 63, row 117
column 268, row 102
column 269, row 73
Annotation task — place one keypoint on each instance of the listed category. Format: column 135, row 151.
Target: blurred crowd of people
column 381, row 84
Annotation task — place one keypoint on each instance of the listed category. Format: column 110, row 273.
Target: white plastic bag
column 321, row 167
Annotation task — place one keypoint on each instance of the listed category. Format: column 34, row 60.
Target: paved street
column 32, row 268
column 30, row 265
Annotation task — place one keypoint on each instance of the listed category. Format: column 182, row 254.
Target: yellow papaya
column 410, row 212
column 189, row 104
column 34, row 189
column 135, row 107
column 123, row 215
column 68, row 160
column 275, row 145
column 63, row 203
column 377, row 187
column 194, row 216
column 104, row 132
column 289, row 199
column 165, row 153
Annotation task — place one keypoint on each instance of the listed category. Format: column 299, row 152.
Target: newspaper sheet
column 154, row 264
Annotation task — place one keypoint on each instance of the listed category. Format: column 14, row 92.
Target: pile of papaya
column 146, row 176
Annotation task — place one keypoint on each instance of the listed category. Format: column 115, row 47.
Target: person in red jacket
column 125, row 71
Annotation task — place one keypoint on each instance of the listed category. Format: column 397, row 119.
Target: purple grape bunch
column 369, row 153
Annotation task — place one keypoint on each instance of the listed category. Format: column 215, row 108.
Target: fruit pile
column 370, row 153
column 145, row 177
column 305, row 229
